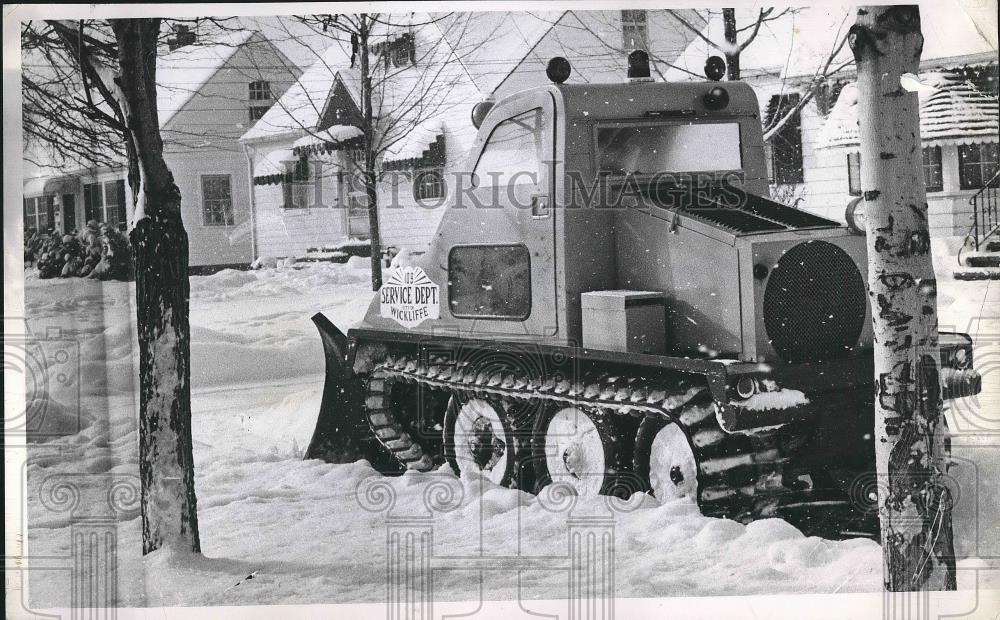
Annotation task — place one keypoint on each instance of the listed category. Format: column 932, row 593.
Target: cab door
column 502, row 271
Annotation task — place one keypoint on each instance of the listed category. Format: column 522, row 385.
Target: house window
column 299, row 188
column 39, row 213
column 31, row 213
column 428, row 184
column 634, row 33
column 933, row 181
column 931, row 167
column 93, row 202
column 977, row 163
column 260, row 98
column 399, row 52
column 216, row 200
column 257, row 112
column 854, row 173
column 260, row 91
column 114, row 204
column 298, row 195
column 786, row 144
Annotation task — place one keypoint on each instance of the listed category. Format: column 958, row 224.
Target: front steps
column 981, row 265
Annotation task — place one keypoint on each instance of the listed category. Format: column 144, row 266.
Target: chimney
column 182, row 36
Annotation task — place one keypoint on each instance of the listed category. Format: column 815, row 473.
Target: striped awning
column 334, row 138
column 422, row 146
column 952, row 111
column 275, row 167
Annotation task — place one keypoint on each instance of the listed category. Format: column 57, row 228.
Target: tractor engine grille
column 814, row 303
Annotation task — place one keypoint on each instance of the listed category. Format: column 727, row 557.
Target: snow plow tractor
column 612, row 302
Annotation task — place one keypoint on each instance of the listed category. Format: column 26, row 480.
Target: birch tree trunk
column 914, row 504
column 160, row 247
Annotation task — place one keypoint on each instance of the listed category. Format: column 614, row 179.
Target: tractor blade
column 342, row 432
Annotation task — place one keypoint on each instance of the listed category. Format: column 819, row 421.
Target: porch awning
column 62, row 185
column 422, row 146
column 335, row 138
column 34, row 187
column 952, row 111
column 274, row 168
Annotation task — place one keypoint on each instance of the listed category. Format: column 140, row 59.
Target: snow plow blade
column 342, row 433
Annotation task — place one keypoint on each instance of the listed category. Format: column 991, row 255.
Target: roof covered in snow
column 491, row 44
column 952, row 111
column 334, row 135
column 183, row 72
column 301, row 107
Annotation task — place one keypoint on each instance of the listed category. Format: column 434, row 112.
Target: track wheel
column 589, row 452
column 387, row 407
column 478, row 440
column 664, row 459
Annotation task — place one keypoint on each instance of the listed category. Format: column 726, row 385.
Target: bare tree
column 731, row 46
column 103, row 74
column 395, row 97
column 914, row 504
column 736, row 38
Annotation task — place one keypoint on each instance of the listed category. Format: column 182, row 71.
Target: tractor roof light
column 715, row 68
column 480, row 110
column 558, row 70
column 716, row 99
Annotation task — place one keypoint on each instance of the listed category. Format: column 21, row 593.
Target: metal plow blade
column 342, row 432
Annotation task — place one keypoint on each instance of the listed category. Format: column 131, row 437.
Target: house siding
column 406, row 222
column 285, row 232
column 203, row 139
column 825, row 190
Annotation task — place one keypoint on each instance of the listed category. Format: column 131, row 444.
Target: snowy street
column 257, row 381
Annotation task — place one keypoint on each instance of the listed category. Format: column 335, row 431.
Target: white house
column 207, row 95
column 303, row 150
column 814, row 160
column 436, row 71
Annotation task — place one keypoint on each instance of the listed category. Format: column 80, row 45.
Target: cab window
column 512, row 154
column 657, row 148
column 489, row 281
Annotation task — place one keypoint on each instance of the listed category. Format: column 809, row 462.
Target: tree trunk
column 160, row 247
column 732, row 57
column 914, row 505
column 369, row 172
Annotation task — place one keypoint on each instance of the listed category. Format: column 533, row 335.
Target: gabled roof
column 398, row 99
column 491, row 44
column 183, row 72
column 952, row 111
column 301, row 107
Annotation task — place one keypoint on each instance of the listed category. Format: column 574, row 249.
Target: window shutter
column 786, row 145
column 120, row 191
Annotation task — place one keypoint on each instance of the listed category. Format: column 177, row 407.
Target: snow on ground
column 306, row 530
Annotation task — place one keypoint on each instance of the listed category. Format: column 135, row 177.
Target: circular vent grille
column 814, row 303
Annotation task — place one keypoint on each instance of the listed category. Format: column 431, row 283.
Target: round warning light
column 558, row 70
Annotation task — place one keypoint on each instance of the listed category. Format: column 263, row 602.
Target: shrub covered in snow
column 98, row 251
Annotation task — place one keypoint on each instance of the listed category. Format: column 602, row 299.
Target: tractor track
column 739, row 475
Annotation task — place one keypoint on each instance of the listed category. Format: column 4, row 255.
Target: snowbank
column 307, row 531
